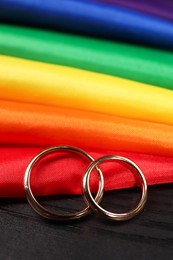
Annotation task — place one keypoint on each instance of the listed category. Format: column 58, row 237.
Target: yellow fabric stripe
column 36, row 82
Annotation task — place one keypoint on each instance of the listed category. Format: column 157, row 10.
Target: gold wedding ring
column 93, row 203
column 42, row 210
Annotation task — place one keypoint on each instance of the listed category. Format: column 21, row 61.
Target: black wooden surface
column 25, row 235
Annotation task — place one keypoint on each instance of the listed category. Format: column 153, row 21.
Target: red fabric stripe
column 61, row 173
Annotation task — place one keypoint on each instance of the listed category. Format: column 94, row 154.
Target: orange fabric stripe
column 23, row 123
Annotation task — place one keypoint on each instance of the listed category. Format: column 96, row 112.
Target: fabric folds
column 36, row 82
column 91, row 18
column 118, row 59
column 53, row 176
column 63, row 89
column 37, row 125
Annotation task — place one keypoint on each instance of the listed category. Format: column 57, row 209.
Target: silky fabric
column 159, row 8
column 62, row 173
column 36, row 82
column 37, row 125
column 127, row 61
column 91, row 18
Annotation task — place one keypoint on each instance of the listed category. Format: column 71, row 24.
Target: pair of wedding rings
column 92, row 204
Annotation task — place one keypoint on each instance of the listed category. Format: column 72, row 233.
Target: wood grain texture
column 25, row 235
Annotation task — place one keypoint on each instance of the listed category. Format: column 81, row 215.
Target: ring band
column 94, row 204
column 51, row 214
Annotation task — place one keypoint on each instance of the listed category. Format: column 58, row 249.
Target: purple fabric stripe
column 163, row 9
